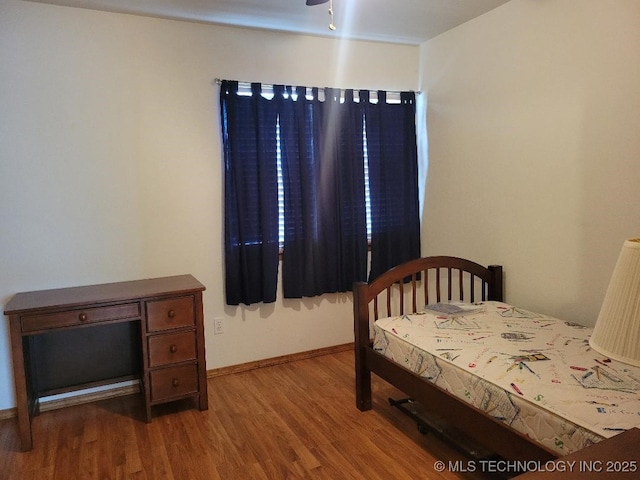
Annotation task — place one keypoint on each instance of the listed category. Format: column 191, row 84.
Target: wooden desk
column 615, row 458
column 163, row 315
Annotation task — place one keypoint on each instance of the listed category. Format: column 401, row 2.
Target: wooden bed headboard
column 414, row 284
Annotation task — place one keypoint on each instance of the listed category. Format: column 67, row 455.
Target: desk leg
column 203, row 397
column 20, row 379
column 144, row 383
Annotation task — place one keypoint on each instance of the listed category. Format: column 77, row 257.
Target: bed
column 524, row 385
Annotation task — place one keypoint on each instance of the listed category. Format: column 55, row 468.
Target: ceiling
column 396, row 21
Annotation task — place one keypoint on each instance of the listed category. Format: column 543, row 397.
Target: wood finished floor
column 291, row 421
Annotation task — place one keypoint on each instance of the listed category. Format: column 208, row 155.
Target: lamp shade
column 617, row 331
column 316, row 2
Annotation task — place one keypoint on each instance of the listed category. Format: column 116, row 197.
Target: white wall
column 110, row 159
column 534, row 147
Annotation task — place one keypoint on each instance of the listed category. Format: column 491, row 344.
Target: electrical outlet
column 218, row 326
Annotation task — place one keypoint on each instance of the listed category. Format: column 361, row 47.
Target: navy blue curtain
column 322, row 154
column 251, row 195
column 325, row 233
column 393, row 180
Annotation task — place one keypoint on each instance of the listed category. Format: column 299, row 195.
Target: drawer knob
column 82, row 317
column 173, row 348
column 171, row 313
column 175, row 382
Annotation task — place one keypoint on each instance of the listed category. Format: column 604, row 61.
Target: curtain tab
column 348, row 95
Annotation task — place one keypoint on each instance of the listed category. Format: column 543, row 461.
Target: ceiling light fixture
column 332, row 26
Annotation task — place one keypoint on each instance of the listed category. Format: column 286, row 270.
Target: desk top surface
column 103, row 293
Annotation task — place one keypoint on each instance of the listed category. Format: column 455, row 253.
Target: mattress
column 536, row 373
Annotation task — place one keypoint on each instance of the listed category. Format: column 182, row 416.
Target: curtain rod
column 218, row 81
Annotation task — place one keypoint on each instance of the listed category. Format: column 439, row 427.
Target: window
column 323, row 177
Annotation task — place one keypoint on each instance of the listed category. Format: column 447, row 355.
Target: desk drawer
column 33, row 323
column 172, row 348
column 170, row 313
column 173, row 382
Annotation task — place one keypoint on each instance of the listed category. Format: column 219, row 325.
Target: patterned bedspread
column 533, row 372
